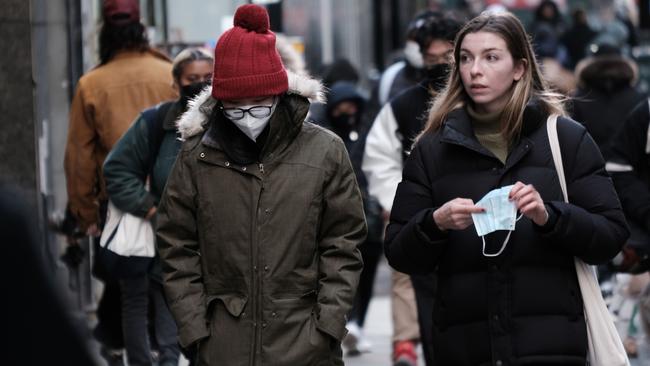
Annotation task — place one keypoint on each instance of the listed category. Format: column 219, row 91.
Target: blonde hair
column 189, row 55
column 531, row 84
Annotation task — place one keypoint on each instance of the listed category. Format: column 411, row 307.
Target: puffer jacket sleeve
column 126, row 169
column 342, row 230
column 413, row 242
column 178, row 245
column 629, row 162
column 81, row 165
column 591, row 226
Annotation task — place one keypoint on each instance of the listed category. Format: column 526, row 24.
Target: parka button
column 264, row 325
column 266, row 268
column 202, row 155
column 267, row 211
column 274, row 314
column 243, row 168
column 227, row 163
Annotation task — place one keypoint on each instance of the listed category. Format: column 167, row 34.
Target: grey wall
column 18, row 153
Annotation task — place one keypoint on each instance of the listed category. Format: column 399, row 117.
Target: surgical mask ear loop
column 505, row 242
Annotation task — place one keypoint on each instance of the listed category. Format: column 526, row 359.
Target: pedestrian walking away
column 261, row 219
column 507, row 290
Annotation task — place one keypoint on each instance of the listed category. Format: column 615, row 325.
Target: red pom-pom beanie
column 246, row 63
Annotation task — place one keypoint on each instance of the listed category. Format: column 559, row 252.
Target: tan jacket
column 108, row 99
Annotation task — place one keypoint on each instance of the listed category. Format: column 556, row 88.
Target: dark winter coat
column 260, row 260
column 524, row 306
column 630, row 167
column 146, row 151
column 606, row 93
column 410, row 108
column 135, row 156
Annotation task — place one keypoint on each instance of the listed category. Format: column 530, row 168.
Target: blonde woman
column 510, row 297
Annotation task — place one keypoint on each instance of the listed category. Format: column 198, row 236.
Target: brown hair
column 532, row 84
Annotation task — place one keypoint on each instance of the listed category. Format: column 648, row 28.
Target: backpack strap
column 155, row 118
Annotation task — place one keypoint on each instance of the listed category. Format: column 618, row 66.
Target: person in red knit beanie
column 261, row 219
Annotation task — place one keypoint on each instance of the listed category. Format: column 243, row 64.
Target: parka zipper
column 257, row 280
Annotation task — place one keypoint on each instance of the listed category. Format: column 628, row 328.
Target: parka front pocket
column 234, row 303
column 289, row 334
column 231, row 333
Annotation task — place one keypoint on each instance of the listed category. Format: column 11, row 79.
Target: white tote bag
column 127, row 235
column 605, row 346
column 126, row 248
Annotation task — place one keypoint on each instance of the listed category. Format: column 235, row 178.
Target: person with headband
column 261, row 219
column 481, row 206
column 144, row 156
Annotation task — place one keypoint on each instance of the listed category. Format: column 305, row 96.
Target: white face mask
column 253, row 126
column 413, row 55
column 500, row 214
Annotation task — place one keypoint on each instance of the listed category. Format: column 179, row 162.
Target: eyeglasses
column 258, row 111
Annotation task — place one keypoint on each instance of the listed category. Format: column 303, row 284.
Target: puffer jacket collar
column 458, row 130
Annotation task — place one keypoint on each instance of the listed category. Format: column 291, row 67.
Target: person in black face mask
column 147, row 152
column 387, row 146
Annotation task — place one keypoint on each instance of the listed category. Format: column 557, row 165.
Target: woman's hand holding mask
column 456, row 214
column 529, row 202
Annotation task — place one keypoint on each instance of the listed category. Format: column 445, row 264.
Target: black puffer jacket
column 524, row 306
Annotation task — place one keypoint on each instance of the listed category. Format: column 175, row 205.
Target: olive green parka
column 260, row 261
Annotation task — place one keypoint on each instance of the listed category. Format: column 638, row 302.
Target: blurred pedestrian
column 578, row 38
column 144, row 156
column 131, row 76
column 260, row 221
column 547, row 30
column 606, row 92
column 339, row 70
column 35, row 312
column 405, row 73
column 389, row 143
column 629, row 166
column 347, row 117
column 516, row 300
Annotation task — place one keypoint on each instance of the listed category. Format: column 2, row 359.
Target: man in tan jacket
column 130, row 77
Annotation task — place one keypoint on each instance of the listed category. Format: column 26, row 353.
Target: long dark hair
column 531, row 85
column 114, row 38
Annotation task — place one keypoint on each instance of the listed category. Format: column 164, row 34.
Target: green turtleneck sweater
column 487, row 128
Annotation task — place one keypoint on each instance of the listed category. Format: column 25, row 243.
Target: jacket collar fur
column 195, row 119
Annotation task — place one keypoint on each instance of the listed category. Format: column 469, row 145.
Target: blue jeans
column 141, row 295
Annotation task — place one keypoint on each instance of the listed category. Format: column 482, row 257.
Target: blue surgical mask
column 500, row 214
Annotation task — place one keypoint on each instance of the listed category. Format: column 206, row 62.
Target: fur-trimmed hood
column 192, row 122
column 606, row 72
